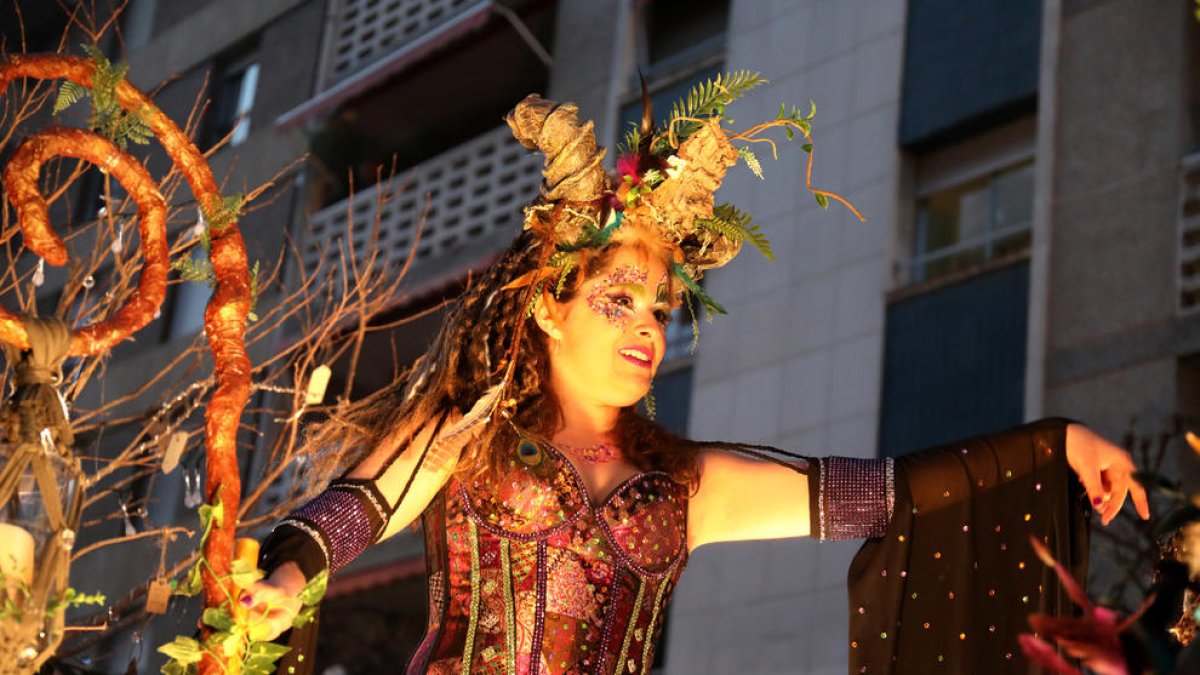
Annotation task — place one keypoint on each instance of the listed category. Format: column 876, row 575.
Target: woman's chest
column 639, row 525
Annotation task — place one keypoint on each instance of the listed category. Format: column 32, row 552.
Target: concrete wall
column 1113, row 334
column 797, row 362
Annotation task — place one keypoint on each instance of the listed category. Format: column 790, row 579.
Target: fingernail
column 1097, row 501
column 247, row 601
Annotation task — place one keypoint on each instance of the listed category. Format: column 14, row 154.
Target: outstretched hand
column 1106, row 472
column 274, row 602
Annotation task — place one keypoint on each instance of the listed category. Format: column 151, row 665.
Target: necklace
column 597, row 453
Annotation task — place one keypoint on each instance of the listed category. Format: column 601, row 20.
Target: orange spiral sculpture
column 224, row 317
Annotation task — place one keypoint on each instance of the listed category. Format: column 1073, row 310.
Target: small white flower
column 675, row 163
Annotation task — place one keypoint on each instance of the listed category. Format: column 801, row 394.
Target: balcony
column 475, row 195
column 1188, row 279
column 364, row 32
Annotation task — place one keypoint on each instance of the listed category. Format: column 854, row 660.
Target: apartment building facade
column 1026, row 170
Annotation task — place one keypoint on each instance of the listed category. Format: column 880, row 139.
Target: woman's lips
column 631, row 355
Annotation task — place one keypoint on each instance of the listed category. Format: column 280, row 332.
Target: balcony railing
column 364, row 32
column 1189, row 236
column 475, row 194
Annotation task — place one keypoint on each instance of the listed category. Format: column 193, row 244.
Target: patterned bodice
column 526, row 575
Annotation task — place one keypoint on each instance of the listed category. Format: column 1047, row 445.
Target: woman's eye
column 663, row 316
column 622, row 301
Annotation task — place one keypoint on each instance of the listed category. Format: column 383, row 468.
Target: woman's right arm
column 373, row 488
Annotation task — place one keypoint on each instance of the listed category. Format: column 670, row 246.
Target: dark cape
column 951, row 584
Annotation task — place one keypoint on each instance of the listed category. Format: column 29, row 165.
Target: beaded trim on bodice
column 523, row 563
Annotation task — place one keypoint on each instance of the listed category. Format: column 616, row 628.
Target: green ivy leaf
column 183, row 650
column 218, row 617
column 212, row 514
column 244, row 573
column 314, row 590
column 176, row 668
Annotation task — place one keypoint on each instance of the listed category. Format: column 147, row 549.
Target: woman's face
column 607, row 341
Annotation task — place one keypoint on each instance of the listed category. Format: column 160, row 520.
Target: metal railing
column 363, row 32
column 474, row 192
column 1188, row 251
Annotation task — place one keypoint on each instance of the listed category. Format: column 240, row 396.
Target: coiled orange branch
column 224, row 317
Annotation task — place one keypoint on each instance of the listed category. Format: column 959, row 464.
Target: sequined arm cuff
column 331, row 530
column 851, row 498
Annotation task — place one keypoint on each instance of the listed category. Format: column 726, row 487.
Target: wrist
column 288, row 578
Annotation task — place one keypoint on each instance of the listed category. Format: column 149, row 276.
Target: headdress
column 665, row 181
column 666, row 177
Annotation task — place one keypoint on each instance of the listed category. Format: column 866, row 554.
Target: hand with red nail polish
column 1106, row 472
column 274, row 602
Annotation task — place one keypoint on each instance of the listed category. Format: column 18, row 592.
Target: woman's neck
column 585, row 424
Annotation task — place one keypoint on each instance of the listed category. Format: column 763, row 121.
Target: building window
column 678, row 44
column 966, row 225
column 235, row 80
column 954, row 360
column 968, row 66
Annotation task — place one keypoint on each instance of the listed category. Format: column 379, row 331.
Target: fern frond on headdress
column 696, row 290
column 706, row 99
column 734, row 223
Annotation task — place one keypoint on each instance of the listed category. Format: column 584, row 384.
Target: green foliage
column 231, row 634
column 822, row 200
column 11, row 609
column 751, row 162
column 799, row 119
column 536, row 296
column 649, row 404
column 183, row 652
column 69, row 93
column 224, row 212
column 695, row 320
column 107, row 118
column 633, row 138
column 564, row 271
column 707, row 99
column 314, row 590
column 197, row 270
column 252, row 316
column 592, row 236
column 736, row 224
column 694, row 289
column 201, row 271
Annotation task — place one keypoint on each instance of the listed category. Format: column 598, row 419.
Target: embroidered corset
column 527, row 576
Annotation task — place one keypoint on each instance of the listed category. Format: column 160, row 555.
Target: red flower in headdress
column 627, row 166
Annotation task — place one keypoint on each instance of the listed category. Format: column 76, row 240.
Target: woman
column 557, row 520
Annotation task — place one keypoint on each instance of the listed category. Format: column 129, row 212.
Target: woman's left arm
column 740, row 499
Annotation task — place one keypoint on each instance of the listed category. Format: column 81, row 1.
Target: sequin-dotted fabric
column 528, row 576
column 343, row 520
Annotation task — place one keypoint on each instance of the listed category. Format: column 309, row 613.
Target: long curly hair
column 468, row 357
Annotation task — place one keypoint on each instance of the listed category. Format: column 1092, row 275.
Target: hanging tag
column 317, row 382
column 158, row 594
column 39, row 274
column 176, row 443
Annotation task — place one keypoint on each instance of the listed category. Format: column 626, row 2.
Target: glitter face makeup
column 662, row 295
column 609, row 305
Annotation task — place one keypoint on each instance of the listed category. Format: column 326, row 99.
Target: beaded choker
column 597, row 453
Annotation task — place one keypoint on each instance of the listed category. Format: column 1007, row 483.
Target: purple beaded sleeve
column 854, row 499
column 341, row 522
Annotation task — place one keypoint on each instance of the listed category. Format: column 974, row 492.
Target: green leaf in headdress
column 694, row 288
